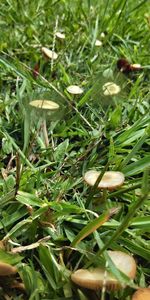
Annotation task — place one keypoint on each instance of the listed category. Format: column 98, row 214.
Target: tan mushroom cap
column 142, row 294
column 136, row 66
column 124, row 262
column 94, row 278
column 111, row 88
column 6, row 269
column 49, row 53
column 110, row 180
column 74, row 89
column 44, row 104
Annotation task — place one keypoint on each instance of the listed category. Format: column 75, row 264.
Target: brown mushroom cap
column 6, row 269
column 94, row 278
column 110, row 180
column 44, row 104
column 142, row 294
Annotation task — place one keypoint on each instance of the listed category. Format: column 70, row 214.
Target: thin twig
column 54, row 42
column 45, row 134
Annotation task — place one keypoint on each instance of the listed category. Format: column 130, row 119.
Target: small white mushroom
column 142, row 294
column 111, row 88
column 74, row 89
column 102, row 35
column 44, row 104
column 98, row 43
column 94, row 278
column 60, row 35
column 49, row 53
column 136, row 67
column 110, row 180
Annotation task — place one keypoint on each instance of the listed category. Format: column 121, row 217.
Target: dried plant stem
column 45, row 134
column 54, row 42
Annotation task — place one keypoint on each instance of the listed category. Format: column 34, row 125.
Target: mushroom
column 136, row 67
column 44, row 105
column 60, row 35
column 7, row 269
column 142, row 294
column 49, row 53
column 74, row 89
column 96, row 278
column 98, row 43
column 111, row 88
column 126, row 67
column 102, row 35
column 110, row 180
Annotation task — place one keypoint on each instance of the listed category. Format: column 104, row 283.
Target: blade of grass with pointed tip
column 134, row 150
column 137, row 166
column 90, row 227
column 29, row 199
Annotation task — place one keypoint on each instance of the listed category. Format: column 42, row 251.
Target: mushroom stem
column 104, row 282
column 104, row 195
column 45, row 134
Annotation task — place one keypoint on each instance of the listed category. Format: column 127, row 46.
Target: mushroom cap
column 74, row 89
column 94, row 278
column 111, row 88
column 102, row 35
column 6, row 269
column 124, row 262
column 142, row 294
column 44, row 104
column 136, row 66
column 98, row 43
column 49, row 53
column 110, row 180
column 60, row 35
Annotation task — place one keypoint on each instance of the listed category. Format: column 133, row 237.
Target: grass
column 52, row 223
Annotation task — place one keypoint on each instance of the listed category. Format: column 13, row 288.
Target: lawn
column 53, row 220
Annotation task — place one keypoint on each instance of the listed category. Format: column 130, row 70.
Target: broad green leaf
column 60, row 151
column 29, row 199
column 6, row 221
column 9, row 258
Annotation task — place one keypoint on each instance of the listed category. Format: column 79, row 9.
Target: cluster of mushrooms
column 97, row 278
column 93, row 278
